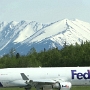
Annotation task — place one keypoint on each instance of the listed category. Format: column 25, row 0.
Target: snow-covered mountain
column 24, row 35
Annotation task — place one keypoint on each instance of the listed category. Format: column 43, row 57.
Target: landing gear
column 27, row 88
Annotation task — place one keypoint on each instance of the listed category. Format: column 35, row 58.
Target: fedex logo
column 65, row 86
column 80, row 75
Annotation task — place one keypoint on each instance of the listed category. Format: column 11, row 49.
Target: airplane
column 61, row 78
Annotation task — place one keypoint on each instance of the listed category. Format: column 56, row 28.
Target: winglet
column 24, row 77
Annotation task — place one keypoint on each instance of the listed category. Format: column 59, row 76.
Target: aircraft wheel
column 27, row 88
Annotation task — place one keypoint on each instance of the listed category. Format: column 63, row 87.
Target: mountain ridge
column 24, row 35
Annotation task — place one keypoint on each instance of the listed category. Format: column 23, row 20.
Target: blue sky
column 44, row 10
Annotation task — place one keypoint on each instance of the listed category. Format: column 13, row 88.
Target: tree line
column 68, row 56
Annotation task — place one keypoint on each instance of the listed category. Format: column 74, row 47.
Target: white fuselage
column 76, row 75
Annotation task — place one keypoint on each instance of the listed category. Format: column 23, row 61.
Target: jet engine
column 62, row 85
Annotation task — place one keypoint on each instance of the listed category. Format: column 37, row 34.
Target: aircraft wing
column 55, row 83
column 40, row 81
